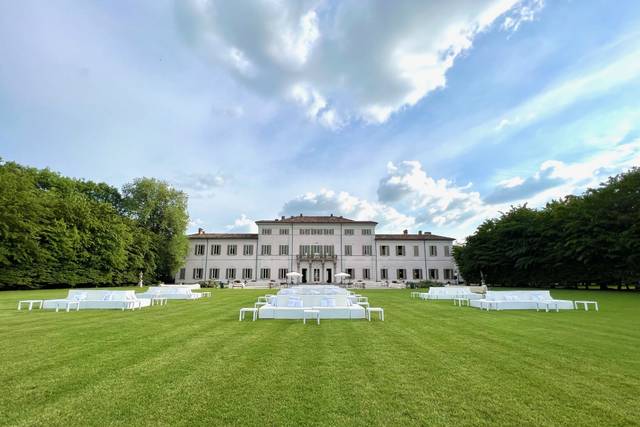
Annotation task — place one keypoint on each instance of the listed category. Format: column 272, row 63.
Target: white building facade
column 318, row 247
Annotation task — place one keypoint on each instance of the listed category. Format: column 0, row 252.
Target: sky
column 420, row 115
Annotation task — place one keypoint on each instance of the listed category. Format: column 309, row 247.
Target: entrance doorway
column 316, row 275
column 304, row 275
column 329, row 275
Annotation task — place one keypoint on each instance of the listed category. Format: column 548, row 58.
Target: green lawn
column 429, row 363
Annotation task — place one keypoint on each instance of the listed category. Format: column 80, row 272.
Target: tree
column 161, row 210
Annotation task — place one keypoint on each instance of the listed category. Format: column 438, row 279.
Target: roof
column 311, row 219
column 423, row 236
column 223, row 236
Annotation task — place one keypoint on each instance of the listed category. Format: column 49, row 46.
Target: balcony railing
column 316, row 257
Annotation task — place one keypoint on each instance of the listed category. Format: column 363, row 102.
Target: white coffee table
column 245, row 310
column 312, row 314
column 378, row 310
column 31, row 302
column 586, row 304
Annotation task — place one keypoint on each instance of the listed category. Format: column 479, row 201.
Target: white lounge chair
column 169, row 293
column 521, row 300
column 449, row 293
column 98, row 299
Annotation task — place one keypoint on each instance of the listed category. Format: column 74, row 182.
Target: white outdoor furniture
column 259, row 304
column 158, row 301
column 415, row 294
column 245, row 310
column 98, row 299
column 206, row 294
column 331, row 301
column 449, row 293
column 170, row 292
column 363, row 299
column 378, row 310
column 520, row 300
column 31, row 302
column 181, row 285
column 586, row 304
column 364, row 304
column 310, row 314
column 461, row 301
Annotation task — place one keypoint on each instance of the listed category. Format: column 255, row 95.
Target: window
column 433, row 274
column 282, row 273
column 416, row 250
column 199, row 250
column 266, row 231
column 400, row 250
column 284, row 231
column 182, row 273
column 447, row 273
column 284, row 250
column 232, row 249
column 417, row 274
column 230, row 273
column 384, row 250
column 265, row 273
column 348, row 231
column 350, row 272
column 247, row 250
column 447, row 251
column 265, row 250
column 215, row 250
column 433, row 250
column 367, row 250
column 328, row 249
column 401, row 274
column 366, row 274
column 247, row 273
column 197, row 273
column 214, row 273
column 384, row 274
column 366, row 232
column 347, row 250
column 317, row 231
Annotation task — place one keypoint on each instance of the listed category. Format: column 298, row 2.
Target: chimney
column 300, row 214
column 282, row 217
column 420, row 232
column 331, row 215
column 405, row 232
column 200, row 231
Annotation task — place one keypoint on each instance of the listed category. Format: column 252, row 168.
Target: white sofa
column 521, row 300
column 449, row 293
column 191, row 286
column 292, row 306
column 98, row 299
column 169, row 293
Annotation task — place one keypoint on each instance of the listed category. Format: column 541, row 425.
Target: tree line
column 59, row 231
column 591, row 239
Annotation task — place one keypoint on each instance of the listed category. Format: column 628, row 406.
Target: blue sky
column 419, row 115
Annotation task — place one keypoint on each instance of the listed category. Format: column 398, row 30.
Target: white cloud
column 243, row 225
column 345, row 60
column 433, row 201
column 327, row 202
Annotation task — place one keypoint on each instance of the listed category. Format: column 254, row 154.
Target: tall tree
column 157, row 207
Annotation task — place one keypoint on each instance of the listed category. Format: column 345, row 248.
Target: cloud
column 327, row 202
column 518, row 188
column 243, row 225
column 199, row 184
column 433, row 201
column 345, row 60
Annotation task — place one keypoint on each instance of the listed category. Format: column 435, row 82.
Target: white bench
column 520, row 300
column 31, row 302
column 245, row 310
column 576, row 304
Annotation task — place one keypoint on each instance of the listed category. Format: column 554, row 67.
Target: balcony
column 316, row 257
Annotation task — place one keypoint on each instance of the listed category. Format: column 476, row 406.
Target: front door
column 316, row 275
column 329, row 275
column 304, row 275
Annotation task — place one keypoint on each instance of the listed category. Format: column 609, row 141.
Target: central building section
column 316, row 247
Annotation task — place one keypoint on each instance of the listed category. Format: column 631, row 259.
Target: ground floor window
column 384, row 274
column 231, row 273
column 366, row 274
column 448, row 274
column 182, row 273
column 197, row 273
column 402, row 274
column 247, row 273
column 433, row 274
column 417, row 274
column 214, row 273
column 265, row 273
column 350, row 272
column 282, row 273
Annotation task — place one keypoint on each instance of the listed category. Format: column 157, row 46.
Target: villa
column 318, row 247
